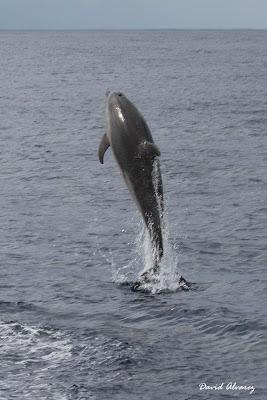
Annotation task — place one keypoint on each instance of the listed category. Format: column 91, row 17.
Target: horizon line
column 132, row 29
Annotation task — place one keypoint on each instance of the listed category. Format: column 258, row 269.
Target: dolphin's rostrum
column 138, row 158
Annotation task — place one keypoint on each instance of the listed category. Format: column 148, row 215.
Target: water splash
column 143, row 262
column 146, row 254
column 168, row 277
column 127, row 273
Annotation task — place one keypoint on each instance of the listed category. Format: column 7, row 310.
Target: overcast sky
column 133, row 14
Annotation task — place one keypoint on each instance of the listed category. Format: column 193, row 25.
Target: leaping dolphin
column 133, row 147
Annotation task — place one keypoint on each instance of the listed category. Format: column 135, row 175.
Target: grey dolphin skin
column 137, row 156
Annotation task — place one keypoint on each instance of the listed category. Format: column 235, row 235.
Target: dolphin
column 137, row 155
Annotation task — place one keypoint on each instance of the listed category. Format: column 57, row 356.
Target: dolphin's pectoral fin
column 104, row 145
column 148, row 149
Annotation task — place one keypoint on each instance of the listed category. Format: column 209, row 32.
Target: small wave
column 30, row 344
column 222, row 323
column 29, row 357
column 9, row 306
column 107, row 352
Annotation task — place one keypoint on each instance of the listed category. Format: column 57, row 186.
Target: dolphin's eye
column 120, row 94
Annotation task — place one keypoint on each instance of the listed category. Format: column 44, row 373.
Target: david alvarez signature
column 230, row 386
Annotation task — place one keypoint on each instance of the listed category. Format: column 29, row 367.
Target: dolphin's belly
column 142, row 185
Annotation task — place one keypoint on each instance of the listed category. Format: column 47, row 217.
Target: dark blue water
column 69, row 329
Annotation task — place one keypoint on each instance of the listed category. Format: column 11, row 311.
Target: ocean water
column 71, row 237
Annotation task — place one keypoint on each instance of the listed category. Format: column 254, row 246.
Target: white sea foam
column 34, row 344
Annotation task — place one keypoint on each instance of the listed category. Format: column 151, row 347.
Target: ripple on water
column 29, row 355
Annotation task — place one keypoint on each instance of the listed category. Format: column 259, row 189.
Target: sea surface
column 72, row 240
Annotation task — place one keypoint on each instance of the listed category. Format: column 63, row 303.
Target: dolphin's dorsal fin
column 148, row 149
column 104, row 145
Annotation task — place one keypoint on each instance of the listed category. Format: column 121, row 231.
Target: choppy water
column 68, row 227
